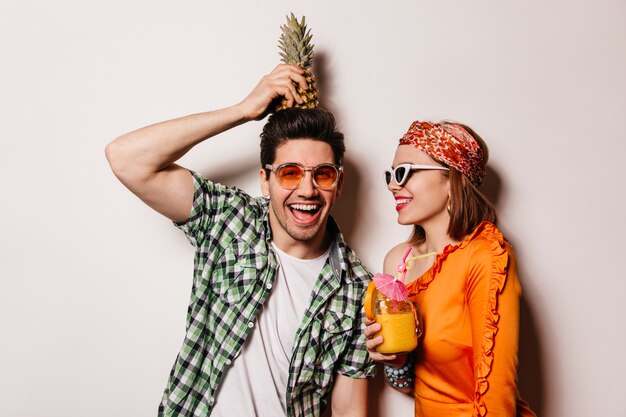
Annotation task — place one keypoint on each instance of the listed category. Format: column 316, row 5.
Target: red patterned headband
column 450, row 144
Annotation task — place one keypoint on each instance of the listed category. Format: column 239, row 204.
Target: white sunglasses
column 402, row 172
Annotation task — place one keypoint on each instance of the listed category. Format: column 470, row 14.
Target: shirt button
column 251, row 324
column 228, row 362
column 269, row 286
column 211, row 401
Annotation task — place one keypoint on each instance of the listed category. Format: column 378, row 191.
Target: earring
column 449, row 207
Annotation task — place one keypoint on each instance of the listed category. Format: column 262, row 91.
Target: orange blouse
column 466, row 364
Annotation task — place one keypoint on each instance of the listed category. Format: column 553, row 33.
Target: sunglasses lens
column 400, row 174
column 388, row 176
column 289, row 176
column 325, row 176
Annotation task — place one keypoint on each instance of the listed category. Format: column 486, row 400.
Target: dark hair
column 293, row 124
column 468, row 206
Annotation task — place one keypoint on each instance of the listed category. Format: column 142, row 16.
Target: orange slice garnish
column 369, row 304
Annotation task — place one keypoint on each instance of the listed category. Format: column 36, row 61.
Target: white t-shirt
column 256, row 383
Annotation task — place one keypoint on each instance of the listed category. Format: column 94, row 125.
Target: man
column 274, row 322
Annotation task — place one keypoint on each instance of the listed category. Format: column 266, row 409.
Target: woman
column 461, row 273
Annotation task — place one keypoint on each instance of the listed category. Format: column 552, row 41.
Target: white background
column 94, row 285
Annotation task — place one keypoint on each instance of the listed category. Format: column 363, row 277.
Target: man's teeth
column 403, row 201
column 304, row 207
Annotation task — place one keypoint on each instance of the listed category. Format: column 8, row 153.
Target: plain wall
column 94, row 286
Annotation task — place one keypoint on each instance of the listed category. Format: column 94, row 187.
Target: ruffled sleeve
column 493, row 293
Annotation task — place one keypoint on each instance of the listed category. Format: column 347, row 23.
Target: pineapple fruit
column 296, row 49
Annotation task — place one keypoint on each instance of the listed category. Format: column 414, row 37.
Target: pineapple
column 296, row 49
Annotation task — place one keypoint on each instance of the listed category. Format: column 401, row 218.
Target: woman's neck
column 435, row 240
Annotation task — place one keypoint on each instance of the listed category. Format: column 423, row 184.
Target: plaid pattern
column 234, row 271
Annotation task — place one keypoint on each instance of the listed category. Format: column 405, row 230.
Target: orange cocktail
column 398, row 319
column 398, row 332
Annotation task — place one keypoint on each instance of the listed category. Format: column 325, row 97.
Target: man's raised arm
column 144, row 160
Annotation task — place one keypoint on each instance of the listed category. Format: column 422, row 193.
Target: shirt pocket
column 336, row 333
column 237, row 271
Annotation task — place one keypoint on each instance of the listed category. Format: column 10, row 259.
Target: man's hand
column 281, row 82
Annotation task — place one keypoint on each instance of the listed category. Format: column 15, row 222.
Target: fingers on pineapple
column 289, row 94
column 298, row 77
column 292, row 77
column 277, row 83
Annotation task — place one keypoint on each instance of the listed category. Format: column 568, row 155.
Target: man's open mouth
column 305, row 212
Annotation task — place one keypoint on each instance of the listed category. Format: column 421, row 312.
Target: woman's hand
column 402, row 383
column 371, row 328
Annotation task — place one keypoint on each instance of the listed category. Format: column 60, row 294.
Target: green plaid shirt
column 234, row 271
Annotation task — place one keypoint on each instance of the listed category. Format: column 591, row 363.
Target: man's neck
column 303, row 249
